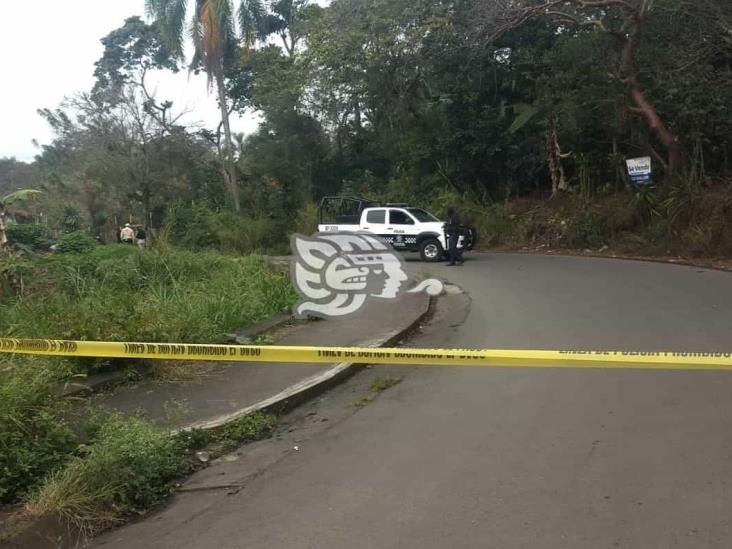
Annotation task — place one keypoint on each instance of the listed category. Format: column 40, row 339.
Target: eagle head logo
column 335, row 273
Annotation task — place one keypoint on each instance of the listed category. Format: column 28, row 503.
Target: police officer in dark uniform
column 452, row 234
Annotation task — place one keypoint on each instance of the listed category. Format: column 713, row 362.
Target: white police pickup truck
column 404, row 227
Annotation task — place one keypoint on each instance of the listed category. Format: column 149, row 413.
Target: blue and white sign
column 639, row 170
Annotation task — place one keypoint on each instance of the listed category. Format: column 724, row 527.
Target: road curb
column 99, row 382
column 308, row 388
column 50, row 532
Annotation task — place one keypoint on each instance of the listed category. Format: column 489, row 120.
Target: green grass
column 382, row 383
column 363, row 401
column 127, row 469
column 115, row 293
column 112, row 293
column 377, row 385
column 248, row 428
column 130, row 466
column 35, row 437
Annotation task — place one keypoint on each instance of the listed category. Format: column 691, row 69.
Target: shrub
column 191, row 226
column 246, row 235
column 192, row 439
column 34, row 436
column 306, row 221
column 34, row 236
column 127, row 469
column 248, row 428
column 197, row 227
column 76, row 242
column 587, row 229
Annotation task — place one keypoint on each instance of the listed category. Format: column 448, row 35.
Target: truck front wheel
column 431, row 250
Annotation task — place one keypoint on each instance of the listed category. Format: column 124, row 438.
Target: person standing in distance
column 141, row 237
column 452, row 233
column 127, row 235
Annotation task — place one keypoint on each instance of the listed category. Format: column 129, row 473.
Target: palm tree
column 213, row 32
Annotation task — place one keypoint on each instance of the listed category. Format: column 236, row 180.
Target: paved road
column 511, row 458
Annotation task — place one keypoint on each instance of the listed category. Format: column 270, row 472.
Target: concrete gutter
column 99, row 382
column 308, row 388
column 51, row 532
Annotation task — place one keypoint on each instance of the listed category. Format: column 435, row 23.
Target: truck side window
column 376, row 216
column 398, row 217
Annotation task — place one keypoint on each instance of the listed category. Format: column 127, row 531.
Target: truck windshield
column 422, row 215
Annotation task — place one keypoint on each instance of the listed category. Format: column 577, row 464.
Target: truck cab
column 404, row 227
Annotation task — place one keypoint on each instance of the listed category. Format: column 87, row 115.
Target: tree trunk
column 289, row 46
column 357, row 112
column 3, row 236
column 620, row 178
column 145, row 186
column 146, row 199
column 228, row 152
column 674, row 152
column 554, row 159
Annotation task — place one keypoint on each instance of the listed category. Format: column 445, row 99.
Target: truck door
column 403, row 230
column 375, row 222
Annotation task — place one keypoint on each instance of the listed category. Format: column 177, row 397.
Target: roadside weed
column 377, row 385
column 382, row 383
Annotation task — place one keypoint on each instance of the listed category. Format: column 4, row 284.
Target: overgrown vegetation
column 126, row 469
column 35, row 436
column 248, row 428
column 197, row 227
column 36, row 237
column 519, row 113
column 116, row 293
column 76, row 242
column 112, row 293
column 494, row 101
column 125, row 466
column 145, row 462
column 680, row 218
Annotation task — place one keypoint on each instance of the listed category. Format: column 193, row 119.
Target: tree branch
column 661, row 160
column 504, row 15
column 571, row 19
column 605, row 4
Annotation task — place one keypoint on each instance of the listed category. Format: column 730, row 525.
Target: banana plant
column 17, row 196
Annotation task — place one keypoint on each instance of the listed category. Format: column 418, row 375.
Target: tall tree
column 213, row 30
column 15, row 175
column 130, row 53
column 290, row 21
column 624, row 20
column 111, row 158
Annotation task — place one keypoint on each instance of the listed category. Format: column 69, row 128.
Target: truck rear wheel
column 430, row 250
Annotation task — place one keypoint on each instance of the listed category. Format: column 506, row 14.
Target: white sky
column 48, row 50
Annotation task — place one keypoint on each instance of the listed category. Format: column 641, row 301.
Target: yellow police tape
column 363, row 355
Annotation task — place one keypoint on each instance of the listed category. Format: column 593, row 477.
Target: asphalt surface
column 503, row 458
